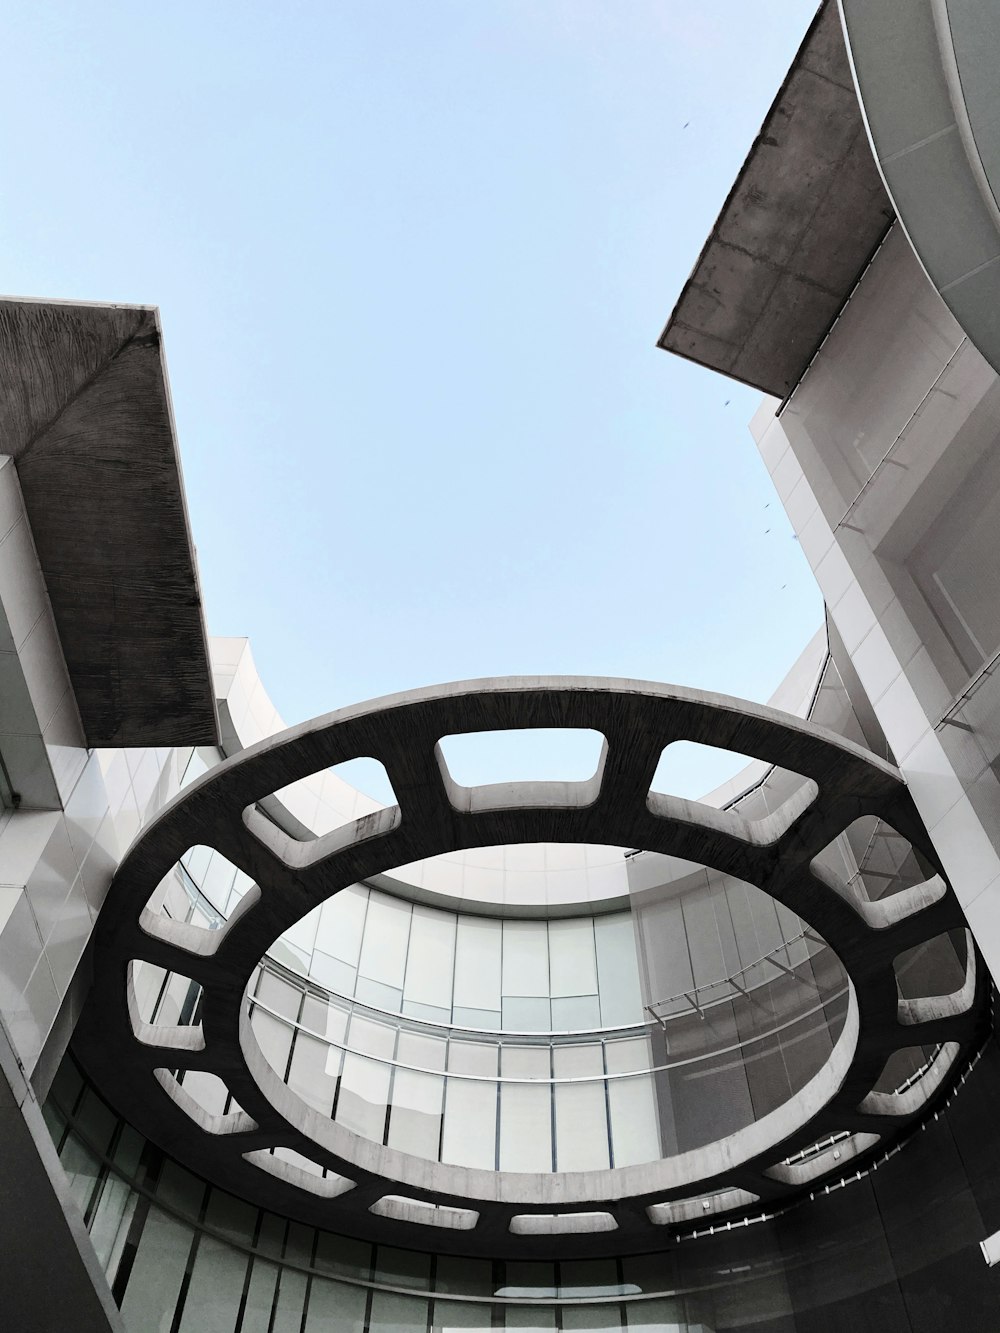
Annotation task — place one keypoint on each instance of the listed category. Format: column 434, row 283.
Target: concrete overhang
column 804, row 216
column 85, row 412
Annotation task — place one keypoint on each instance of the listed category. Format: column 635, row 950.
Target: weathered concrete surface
column 85, row 412
column 842, row 782
column 806, row 212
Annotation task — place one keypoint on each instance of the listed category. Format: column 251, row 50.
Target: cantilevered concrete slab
column 806, row 212
column 85, row 412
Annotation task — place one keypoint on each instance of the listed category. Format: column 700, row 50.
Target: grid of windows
column 183, row 1256
column 531, row 1102
column 408, row 958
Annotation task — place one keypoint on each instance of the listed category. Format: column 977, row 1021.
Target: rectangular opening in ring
column 873, row 859
column 935, row 967
column 330, row 798
column 561, row 1224
column 165, row 999
column 695, row 772
column 530, row 754
column 202, row 889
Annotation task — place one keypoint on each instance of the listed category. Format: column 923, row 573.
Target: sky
column 412, row 259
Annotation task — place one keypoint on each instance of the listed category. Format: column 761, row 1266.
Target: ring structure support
column 379, row 1192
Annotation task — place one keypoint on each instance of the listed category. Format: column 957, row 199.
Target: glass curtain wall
column 867, row 1253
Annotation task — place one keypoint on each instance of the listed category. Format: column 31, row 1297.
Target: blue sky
column 412, row 260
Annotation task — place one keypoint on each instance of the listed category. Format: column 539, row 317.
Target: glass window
column 339, row 1255
column 68, row 1083
column 216, row 1286
column 724, row 923
column 460, row 1317
column 591, row 1277
column 430, row 1013
column 157, row 1272
column 703, row 940
column 464, row 1277
column 635, row 1129
column 663, row 1315
column 522, row 1014
column 241, row 886
column 342, row 923
column 477, row 964
column 431, row 961
column 576, row 1013
column 370, row 1036
column 415, row 1117
column 364, row 1096
column 231, row 1217
column 147, row 979
column 525, row 958
column 402, row 1268
column 260, row 1297
column 618, row 970
column 178, row 1002
column 82, row 1171
column 271, row 1238
column 208, row 1090
column 526, row 1110
column 195, row 861
column 572, row 957
column 473, row 1057
column 332, row 974
column 470, row 1110
column 308, row 1074
column 665, row 962
column 379, row 995
column 110, row 1223
column 414, row 1048
column 532, row 1280
column 301, row 937
column 284, row 997
column 218, row 880
column 393, row 1313
column 484, row 1020
column 335, row 1307
column 531, row 1320
column 383, row 949
column 290, row 1305
column 764, row 911
column 470, row 1117
column 274, row 1038
column 580, row 1110
column 95, row 1120
column 198, row 764
column 603, row 1318
column 180, row 1190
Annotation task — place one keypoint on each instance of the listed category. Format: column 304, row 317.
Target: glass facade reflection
column 867, row 1253
column 698, row 1066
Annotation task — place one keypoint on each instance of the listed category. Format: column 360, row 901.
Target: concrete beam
column 806, row 213
column 85, row 413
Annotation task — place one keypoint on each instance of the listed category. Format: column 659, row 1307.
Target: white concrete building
column 578, row 1055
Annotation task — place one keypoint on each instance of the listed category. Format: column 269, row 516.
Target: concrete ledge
column 804, row 216
column 85, row 412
